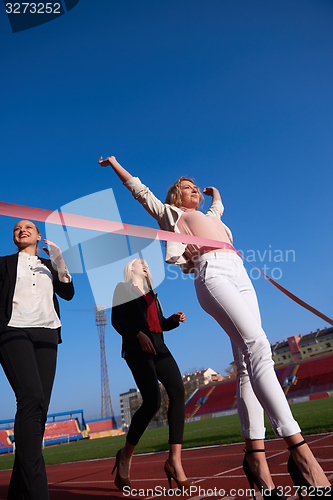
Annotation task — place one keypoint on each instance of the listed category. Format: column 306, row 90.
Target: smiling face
column 26, row 236
column 139, row 268
column 190, row 196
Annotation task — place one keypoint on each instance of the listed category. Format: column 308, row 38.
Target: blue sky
column 236, row 94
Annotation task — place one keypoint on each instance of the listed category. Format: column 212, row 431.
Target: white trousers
column 225, row 291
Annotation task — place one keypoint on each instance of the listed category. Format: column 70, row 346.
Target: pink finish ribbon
column 83, row 222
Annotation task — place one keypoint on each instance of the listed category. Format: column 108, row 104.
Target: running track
column 216, row 470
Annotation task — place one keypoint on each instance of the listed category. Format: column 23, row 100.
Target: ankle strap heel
column 252, row 451
column 292, row 447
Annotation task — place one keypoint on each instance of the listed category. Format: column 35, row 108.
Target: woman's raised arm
column 213, row 192
column 119, row 170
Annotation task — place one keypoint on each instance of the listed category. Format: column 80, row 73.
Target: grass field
column 313, row 417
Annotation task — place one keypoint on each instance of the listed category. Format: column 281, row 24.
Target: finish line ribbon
column 107, row 226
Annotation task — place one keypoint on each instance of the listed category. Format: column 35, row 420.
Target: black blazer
column 129, row 315
column 8, row 272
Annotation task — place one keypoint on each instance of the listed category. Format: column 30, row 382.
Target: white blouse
column 33, row 296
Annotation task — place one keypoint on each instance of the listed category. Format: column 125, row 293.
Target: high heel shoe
column 302, row 484
column 184, row 486
column 266, row 493
column 120, row 481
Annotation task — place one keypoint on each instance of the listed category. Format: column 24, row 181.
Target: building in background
column 302, row 347
column 129, row 403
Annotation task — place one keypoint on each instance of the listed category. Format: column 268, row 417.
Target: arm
column 54, row 253
column 213, row 192
column 127, row 320
column 173, row 321
column 126, row 317
column 142, row 193
column 62, row 280
column 123, row 175
column 216, row 209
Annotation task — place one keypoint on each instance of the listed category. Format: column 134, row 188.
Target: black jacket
column 8, row 272
column 129, row 315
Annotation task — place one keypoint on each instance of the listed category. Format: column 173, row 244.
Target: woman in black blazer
column 137, row 316
column 29, row 337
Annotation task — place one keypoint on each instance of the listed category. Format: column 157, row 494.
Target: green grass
column 314, row 417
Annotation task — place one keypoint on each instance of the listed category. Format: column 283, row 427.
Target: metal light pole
column 106, row 404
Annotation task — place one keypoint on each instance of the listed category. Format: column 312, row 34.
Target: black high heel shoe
column 120, row 481
column 268, row 493
column 303, row 485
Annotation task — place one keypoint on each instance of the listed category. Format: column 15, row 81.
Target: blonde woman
column 138, row 317
column 225, row 291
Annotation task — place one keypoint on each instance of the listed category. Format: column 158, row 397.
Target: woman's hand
column 55, row 254
column 145, row 343
column 107, row 162
column 179, row 316
column 213, row 192
column 123, row 175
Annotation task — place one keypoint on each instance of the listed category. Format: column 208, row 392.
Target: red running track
column 217, row 472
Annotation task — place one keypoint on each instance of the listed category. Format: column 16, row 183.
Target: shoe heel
column 168, row 478
column 249, row 476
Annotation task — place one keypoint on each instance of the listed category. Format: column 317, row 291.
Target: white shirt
column 33, row 296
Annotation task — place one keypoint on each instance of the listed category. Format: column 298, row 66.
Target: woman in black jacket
column 29, row 338
column 137, row 316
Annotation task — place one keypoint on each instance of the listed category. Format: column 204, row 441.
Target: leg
column 228, row 296
column 144, row 373
column 143, row 369
column 225, row 292
column 306, row 462
column 19, row 361
column 168, row 373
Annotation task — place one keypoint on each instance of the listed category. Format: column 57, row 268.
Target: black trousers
column 147, row 370
column 28, row 357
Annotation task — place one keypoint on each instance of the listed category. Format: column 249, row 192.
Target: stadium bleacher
column 222, row 398
column 5, row 441
column 192, row 403
column 62, row 431
column 103, row 428
column 308, row 378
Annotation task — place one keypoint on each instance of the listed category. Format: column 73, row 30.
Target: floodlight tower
column 101, row 321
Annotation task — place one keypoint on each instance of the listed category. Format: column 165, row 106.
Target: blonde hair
column 128, row 274
column 174, row 194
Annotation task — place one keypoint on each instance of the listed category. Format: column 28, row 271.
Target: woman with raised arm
column 29, row 338
column 225, row 291
column 138, row 317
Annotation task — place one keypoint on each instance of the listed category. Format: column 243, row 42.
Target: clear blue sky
column 236, row 94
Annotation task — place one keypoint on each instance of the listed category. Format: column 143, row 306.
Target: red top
column 152, row 314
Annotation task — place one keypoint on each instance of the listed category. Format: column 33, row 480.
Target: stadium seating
column 222, row 398
column 192, row 403
column 312, row 377
column 62, row 431
column 306, row 378
column 5, row 442
column 103, row 428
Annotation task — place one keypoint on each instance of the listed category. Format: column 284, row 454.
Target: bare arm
column 119, row 170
